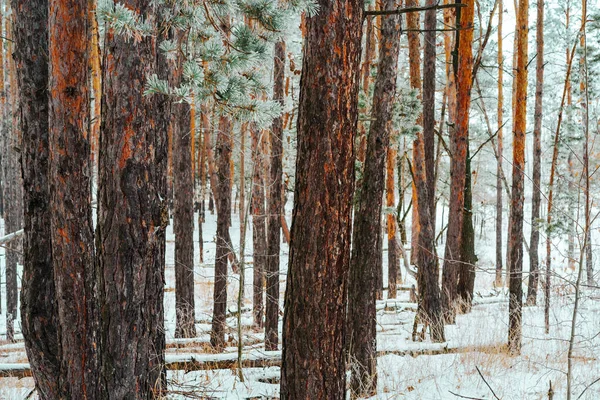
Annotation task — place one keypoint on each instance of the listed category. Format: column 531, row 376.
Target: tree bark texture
column 315, row 309
column 515, row 242
column 70, row 194
column 499, row 172
column 537, row 160
column 183, row 215
column 275, row 206
column 39, row 319
column 132, row 217
column 259, row 228
column 223, row 196
column 414, row 59
column 367, row 231
column 466, row 277
column 459, row 144
column 393, row 265
column 429, row 78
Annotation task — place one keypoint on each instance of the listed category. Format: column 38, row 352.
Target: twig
column 465, row 397
column 487, row 384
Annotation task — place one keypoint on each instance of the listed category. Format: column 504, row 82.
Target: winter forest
column 299, row 199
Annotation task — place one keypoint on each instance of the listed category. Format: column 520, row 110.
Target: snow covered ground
column 473, row 362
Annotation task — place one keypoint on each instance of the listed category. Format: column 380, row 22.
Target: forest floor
column 473, row 363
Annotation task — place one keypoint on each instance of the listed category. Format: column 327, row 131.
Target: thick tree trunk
column 132, row 217
column 367, row 232
column 39, row 318
column 459, row 138
column 537, row 160
column 183, row 207
column 315, row 309
column 499, row 281
column 515, row 242
column 223, row 189
column 70, row 193
column 275, row 206
column 259, row 228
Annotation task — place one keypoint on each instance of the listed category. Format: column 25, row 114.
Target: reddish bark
column 72, row 228
column 315, row 309
column 39, row 322
column 132, row 216
column 515, row 239
column 459, row 138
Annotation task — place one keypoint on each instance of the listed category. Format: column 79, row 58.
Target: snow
column 407, row 370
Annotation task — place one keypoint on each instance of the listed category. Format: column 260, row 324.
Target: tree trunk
column 223, row 194
column 537, row 160
column 12, row 189
column 429, row 78
column 459, row 138
column 367, row 232
column 259, row 234
column 132, row 217
column 183, row 206
column 315, row 309
column 515, row 242
column 499, row 281
column 70, row 196
column 414, row 56
column 393, row 265
column 39, row 318
column 96, row 86
column 275, row 206
column 466, row 278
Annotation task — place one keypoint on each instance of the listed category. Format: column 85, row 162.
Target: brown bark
column 315, row 309
column 183, row 206
column 393, row 264
column 132, row 216
column 12, row 188
column 499, row 152
column 466, row 275
column 70, row 191
column 38, row 301
column 96, row 86
column 459, row 139
column 223, row 195
column 537, row 160
column 429, row 78
column 515, row 241
column 259, row 233
column 275, row 206
column 414, row 56
column 367, row 233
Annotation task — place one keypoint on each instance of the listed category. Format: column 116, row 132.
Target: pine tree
column 367, row 231
column 132, row 207
column 39, row 317
column 320, row 245
column 70, row 191
column 515, row 241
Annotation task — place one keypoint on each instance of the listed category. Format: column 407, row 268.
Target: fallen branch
column 11, row 236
